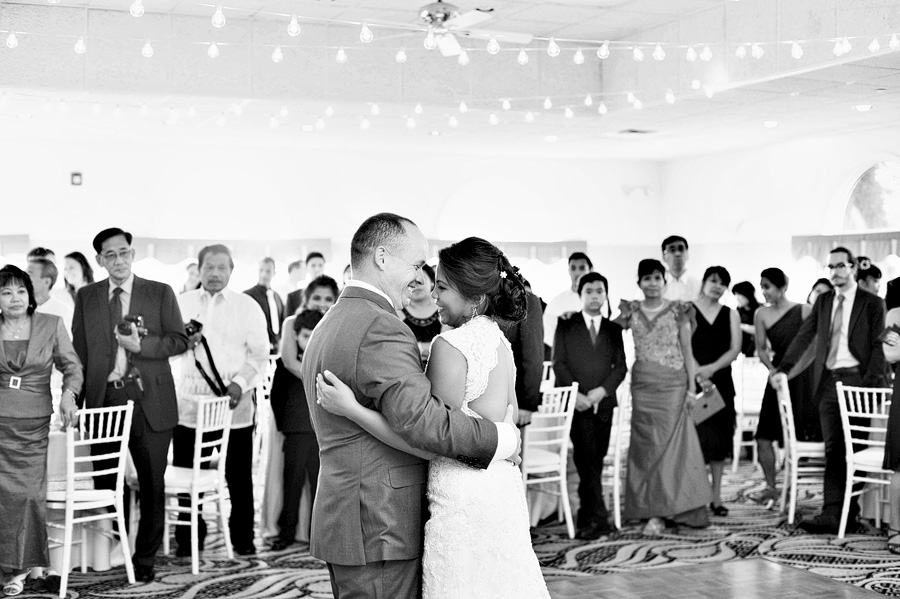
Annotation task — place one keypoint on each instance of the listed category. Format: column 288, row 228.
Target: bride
column 477, row 540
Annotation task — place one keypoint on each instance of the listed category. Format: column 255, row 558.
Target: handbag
column 709, row 402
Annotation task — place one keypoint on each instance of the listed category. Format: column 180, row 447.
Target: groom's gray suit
column 370, row 507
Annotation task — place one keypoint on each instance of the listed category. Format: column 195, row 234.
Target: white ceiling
column 814, row 96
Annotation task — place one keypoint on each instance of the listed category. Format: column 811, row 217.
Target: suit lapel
column 856, row 312
column 40, row 334
column 102, row 291
column 353, row 291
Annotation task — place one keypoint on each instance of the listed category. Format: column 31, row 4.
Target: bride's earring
column 474, row 312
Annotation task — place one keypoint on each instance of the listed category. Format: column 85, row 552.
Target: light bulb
column 493, row 120
column 463, row 58
column 237, row 109
column 506, row 104
column 756, row 51
column 277, row 55
column 11, row 40
column 365, row 125
column 547, row 104
column 221, row 120
column 845, row 44
column 171, row 118
column 630, row 98
column 430, row 43
column 638, row 104
column 80, row 47
column 96, row 108
column 659, row 53
column 375, row 110
column 341, row 55
column 463, row 108
column 691, row 54
column 770, row 124
column 568, row 112
column 588, row 100
column 637, row 54
column 522, row 58
column 145, row 110
column 273, row 122
column 670, row 96
column 603, row 51
column 695, row 84
column 578, row 57
column 529, row 117
column 894, row 43
column 365, row 34
column 191, row 112
column 293, row 27
column 147, row 50
column 410, row 123
column 329, row 111
column 552, row 48
column 796, row 50
column 453, row 121
column 602, row 109
column 319, row 124
column 213, row 50
column 218, row 18
column 706, row 53
column 493, row 46
column 838, row 48
column 741, row 51
column 709, row 90
column 875, row 46
column 137, row 8
column 400, row 56
column 863, row 107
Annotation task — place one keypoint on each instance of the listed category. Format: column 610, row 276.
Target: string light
column 213, row 50
column 796, row 50
column 838, row 48
column 741, row 52
column 578, row 57
column 659, row 53
column 277, row 55
column 845, row 44
column 293, row 27
column 319, row 124
column 11, row 40
column 453, row 121
column 410, row 123
column 706, row 53
column 341, row 56
column 400, row 56
column 375, row 110
column 329, row 111
column 529, row 117
column 80, row 47
column 588, row 100
column 418, row 108
column 493, row 46
column 603, row 51
column 691, row 54
column 493, row 120
column 638, row 104
column 430, row 43
column 630, row 98
column 756, row 51
column 365, row 34
column 637, row 54
column 522, row 58
column 191, row 112
column 875, row 46
column 894, row 44
column 463, row 58
column 463, row 108
column 670, row 96
column 568, row 112
column 548, row 104
column 552, row 48
column 364, row 124
column 147, row 50
column 137, row 9
column 506, row 104
column 602, row 109
column 218, row 18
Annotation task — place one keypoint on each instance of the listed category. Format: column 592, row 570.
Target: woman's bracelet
column 71, row 394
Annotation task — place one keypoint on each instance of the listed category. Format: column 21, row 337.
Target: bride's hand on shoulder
column 334, row 396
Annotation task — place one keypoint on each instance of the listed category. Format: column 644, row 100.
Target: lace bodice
column 656, row 340
column 477, row 340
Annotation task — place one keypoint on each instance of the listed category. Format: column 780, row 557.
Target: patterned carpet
column 748, row 531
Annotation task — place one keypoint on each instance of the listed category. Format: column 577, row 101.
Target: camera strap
column 221, row 388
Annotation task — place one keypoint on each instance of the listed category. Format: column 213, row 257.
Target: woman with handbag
column 716, row 343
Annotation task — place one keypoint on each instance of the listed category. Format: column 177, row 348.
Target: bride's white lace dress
column 477, row 540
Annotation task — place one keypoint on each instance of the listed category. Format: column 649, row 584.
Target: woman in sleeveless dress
column 777, row 324
column 716, row 342
column 666, row 475
column 477, row 539
column 891, row 348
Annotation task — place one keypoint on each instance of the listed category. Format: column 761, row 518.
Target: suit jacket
column 527, row 340
column 288, row 401
column 49, row 345
column 866, row 324
column 293, row 302
column 577, row 360
column 258, row 292
column 370, row 503
column 165, row 338
column 892, row 297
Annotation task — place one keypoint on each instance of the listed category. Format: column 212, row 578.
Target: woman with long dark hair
column 745, row 294
column 77, row 273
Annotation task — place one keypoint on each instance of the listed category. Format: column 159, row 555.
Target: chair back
column 550, row 425
column 106, row 427
column 864, row 414
column 212, row 434
column 754, row 377
column 786, row 414
column 548, row 377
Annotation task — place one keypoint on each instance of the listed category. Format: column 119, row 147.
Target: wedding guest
column 819, row 287
column 777, row 324
column 193, row 278
column 32, row 343
column 680, row 285
column 844, row 328
column 870, row 279
column 288, row 400
column 716, row 342
column 293, row 291
column 41, row 252
column 269, row 301
column 568, row 300
column 588, row 350
column 666, row 474
column 43, row 274
column 315, row 265
column 745, row 294
column 77, row 273
column 421, row 314
column 238, row 349
column 526, row 338
column 321, row 293
column 892, row 297
column 891, row 348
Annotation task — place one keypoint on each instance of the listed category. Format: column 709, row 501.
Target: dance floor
column 737, row 557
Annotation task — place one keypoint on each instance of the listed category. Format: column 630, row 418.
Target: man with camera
column 125, row 329
column 228, row 355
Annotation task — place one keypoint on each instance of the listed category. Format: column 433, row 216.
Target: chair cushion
column 86, row 495
column 873, row 457
column 182, row 479
column 535, row 457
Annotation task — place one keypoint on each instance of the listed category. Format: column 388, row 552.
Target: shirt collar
column 369, row 287
column 681, row 277
column 127, row 286
column 206, row 296
column 850, row 291
column 588, row 318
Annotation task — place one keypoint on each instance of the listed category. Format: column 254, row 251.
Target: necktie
column 593, row 332
column 115, row 317
column 835, row 333
column 273, row 311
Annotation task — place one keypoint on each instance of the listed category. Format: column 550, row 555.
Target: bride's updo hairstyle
column 477, row 268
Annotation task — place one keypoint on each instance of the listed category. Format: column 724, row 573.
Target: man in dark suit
column 134, row 366
column 892, row 297
column 526, row 338
column 269, row 301
column 588, row 350
column 845, row 324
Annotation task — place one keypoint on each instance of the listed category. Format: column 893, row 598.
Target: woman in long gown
column 777, row 324
column 891, row 348
column 477, row 540
column 666, row 474
column 716, row 342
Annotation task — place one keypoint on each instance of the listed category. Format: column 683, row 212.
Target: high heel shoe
column 718, row 510
column 767, row 497
column 653, row 528
column 16, row 584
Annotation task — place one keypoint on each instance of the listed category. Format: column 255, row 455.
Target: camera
column 192, row 327
column 124, row 327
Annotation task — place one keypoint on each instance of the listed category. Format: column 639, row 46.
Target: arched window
column 875, row 200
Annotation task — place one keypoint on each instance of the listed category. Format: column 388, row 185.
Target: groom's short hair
column 383, row 229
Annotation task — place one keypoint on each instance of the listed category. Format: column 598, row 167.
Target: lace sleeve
column 474, row 342
column 685, row 312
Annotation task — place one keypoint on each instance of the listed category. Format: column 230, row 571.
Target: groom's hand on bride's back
column 515, row 458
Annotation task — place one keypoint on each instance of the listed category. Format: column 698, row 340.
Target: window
column 875, row 200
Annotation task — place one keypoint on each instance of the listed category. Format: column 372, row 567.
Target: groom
column 369, row 512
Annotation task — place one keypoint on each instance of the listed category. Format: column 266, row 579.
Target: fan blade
column 508, row 37
column 470, row 19
column 448, row 45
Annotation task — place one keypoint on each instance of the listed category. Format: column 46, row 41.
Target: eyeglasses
column 675, row 248
column 838, row 266
column 112, row 256
column 417, row 267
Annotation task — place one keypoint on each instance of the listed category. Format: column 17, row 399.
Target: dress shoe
column 593, row 532
column 144, row 573
column 183, row 551
column 245, row 549
column 550, row 520
column 819, row 525
column 281, row 544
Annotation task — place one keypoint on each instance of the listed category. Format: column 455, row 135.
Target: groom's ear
column 379, row 256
